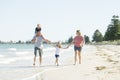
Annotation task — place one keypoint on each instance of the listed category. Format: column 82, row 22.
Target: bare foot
column 33, row 64
column 74, row 64
column 57, row 64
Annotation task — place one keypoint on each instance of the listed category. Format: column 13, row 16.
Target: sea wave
column 23, row 52
column 12, row 49
column 14, row 59
column 6, row 61
column 1, row 56
column 13, row 54
column 49, row 49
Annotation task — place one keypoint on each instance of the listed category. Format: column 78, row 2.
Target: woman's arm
column 70, row 44
column 81, row 44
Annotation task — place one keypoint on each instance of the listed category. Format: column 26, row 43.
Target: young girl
column 57, row 52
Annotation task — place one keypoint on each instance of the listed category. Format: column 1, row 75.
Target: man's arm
column 34, row 38
column 47, row 41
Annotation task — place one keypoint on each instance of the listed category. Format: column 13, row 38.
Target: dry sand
column 98, row 63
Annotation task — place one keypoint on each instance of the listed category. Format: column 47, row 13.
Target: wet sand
column 99, row 62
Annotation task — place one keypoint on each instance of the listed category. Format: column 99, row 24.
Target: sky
column 59, row 18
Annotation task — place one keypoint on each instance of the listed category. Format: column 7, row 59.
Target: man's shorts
column 39, row 50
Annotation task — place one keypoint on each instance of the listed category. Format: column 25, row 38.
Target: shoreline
column 99, row 62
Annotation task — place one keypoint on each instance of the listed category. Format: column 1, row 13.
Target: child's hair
column 58, row 44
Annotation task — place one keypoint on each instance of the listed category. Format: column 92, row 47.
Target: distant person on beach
column 78, row 44
column 38, row 28
column 38, row 40
column 58, row 46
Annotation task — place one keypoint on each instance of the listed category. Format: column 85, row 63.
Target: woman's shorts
column 77, row 48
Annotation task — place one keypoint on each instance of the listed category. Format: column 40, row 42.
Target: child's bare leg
column 57, row 62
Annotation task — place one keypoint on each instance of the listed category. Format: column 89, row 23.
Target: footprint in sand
column 100, row 67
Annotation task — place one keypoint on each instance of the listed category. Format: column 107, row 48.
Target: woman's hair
column 78, row 32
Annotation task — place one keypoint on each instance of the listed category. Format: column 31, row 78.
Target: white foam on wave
column 1, row 56
column 6, row 61
column 49, row 49
column 12, row 49
column 14, row 59
column 22, row 53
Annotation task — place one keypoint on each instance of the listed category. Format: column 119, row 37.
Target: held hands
column 68, row 46
column 49, row 42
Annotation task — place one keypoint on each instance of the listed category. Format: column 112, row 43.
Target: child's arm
column 52, row 44
column 64, row 48
column 70, row 44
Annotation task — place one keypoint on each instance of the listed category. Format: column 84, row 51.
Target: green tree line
column 112, row 33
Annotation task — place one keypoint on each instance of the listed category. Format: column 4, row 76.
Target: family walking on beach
column 38, row 41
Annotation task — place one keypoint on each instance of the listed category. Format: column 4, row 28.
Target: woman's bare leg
column 75, row 57
column 79, row 56
column 57, row 61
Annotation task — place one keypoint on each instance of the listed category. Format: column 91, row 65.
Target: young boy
column 38, row 28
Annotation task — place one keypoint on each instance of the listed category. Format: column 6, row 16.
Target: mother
column 78, row 44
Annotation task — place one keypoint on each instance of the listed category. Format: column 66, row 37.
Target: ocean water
column 13, row 52
column 16, row 60
column 10, row 53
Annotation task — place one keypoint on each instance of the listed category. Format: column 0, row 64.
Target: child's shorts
column 56, row 56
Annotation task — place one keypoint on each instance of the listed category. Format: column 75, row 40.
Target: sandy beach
column 99, row 62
